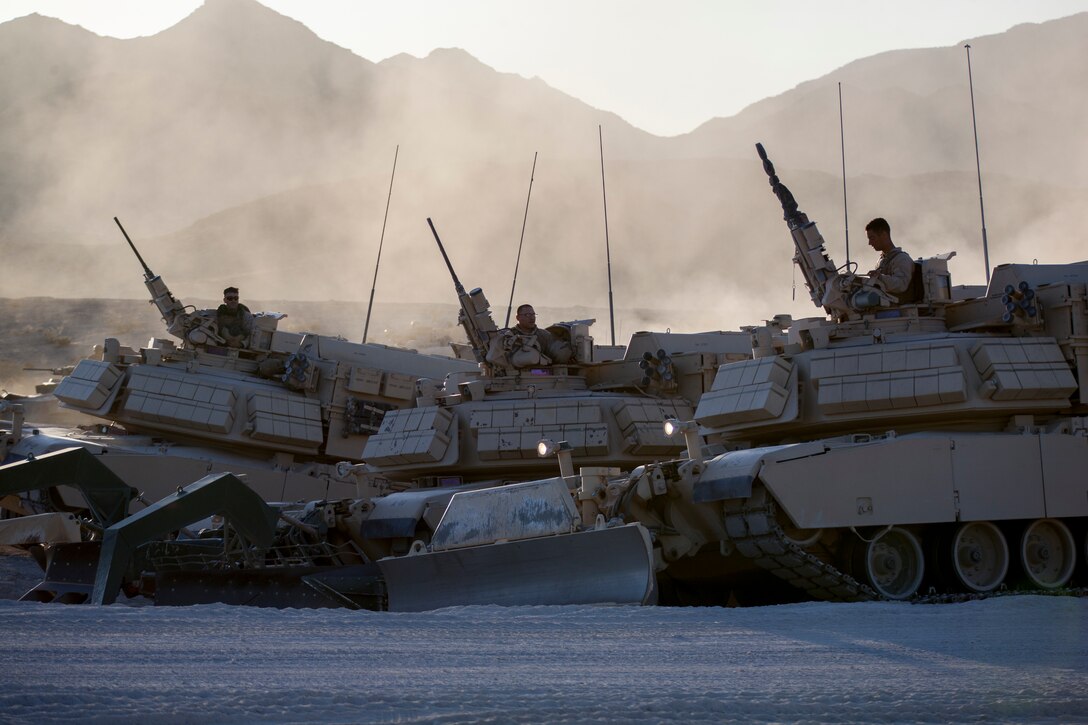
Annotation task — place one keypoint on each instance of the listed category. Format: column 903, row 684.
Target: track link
column 758, row 536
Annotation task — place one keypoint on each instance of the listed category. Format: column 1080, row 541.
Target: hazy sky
column 666, row 67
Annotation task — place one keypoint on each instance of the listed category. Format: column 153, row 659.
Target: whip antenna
column 845, row 214
column 607, row 251
column 518, row 262
column 370, row 305
column 978, row 166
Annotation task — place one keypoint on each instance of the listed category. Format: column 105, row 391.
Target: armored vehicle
column 281, row 408
column 486, row 423
column 895, row 446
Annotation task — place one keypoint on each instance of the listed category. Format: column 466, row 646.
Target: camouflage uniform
column 234, row 325
column 895, row 271
column 558, row 351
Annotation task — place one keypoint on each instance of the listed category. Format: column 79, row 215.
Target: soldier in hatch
column 526, row 345
column 234, row 319
column 896, row 268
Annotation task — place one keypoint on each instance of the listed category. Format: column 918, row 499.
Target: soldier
column 559, row 351
column 525, row 345
column 896, row 268
column 234, row 319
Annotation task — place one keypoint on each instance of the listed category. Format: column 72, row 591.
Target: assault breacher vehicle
column 282, row 410
column 486, row 423
column 889, row 448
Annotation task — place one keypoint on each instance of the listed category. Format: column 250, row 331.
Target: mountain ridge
column 239, row 145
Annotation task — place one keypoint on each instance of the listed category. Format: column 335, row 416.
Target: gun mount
column 844, row 294
column 198, row 328
column 475, row 311
column 180, row 320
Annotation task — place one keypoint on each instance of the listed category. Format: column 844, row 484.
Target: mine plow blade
column 68, row 562
column 521, row 544
column 69, row 573
column 220, row 494
column 599, row 566
column 303, row 587
column 355, row 587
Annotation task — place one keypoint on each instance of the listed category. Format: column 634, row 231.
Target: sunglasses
column 231, row 298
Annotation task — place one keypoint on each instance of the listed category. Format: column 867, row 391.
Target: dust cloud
column 239, row 148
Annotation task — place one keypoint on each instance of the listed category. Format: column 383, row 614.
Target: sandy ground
column 43, row 332
column 1018, row 659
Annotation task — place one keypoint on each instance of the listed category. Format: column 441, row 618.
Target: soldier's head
column 526, row 317
column 230, row 296
column 879, row 233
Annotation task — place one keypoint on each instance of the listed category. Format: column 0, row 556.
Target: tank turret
column 936, row 363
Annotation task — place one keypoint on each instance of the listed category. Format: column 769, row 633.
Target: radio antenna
column 517, row 263
column 978, row 166
column 845, row 214
column 370, row 305
column 607, row 251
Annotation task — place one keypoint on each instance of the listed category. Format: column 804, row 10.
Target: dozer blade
column 590, row 567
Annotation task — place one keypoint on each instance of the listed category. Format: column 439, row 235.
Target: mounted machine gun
column 844, row 294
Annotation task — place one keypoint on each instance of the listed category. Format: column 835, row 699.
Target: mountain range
column 239, row 147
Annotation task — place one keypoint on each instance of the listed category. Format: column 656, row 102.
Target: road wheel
column 979, row 556
column 892, row 563
column 1048, row 553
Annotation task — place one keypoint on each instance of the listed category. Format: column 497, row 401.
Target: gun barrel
column 828, row 287
column 475, row 316
column 456, row 282
column 172, row 311
column 147, row 270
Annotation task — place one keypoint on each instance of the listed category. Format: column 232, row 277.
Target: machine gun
column 173, row 313
column 839, row 290
column 475, row 314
